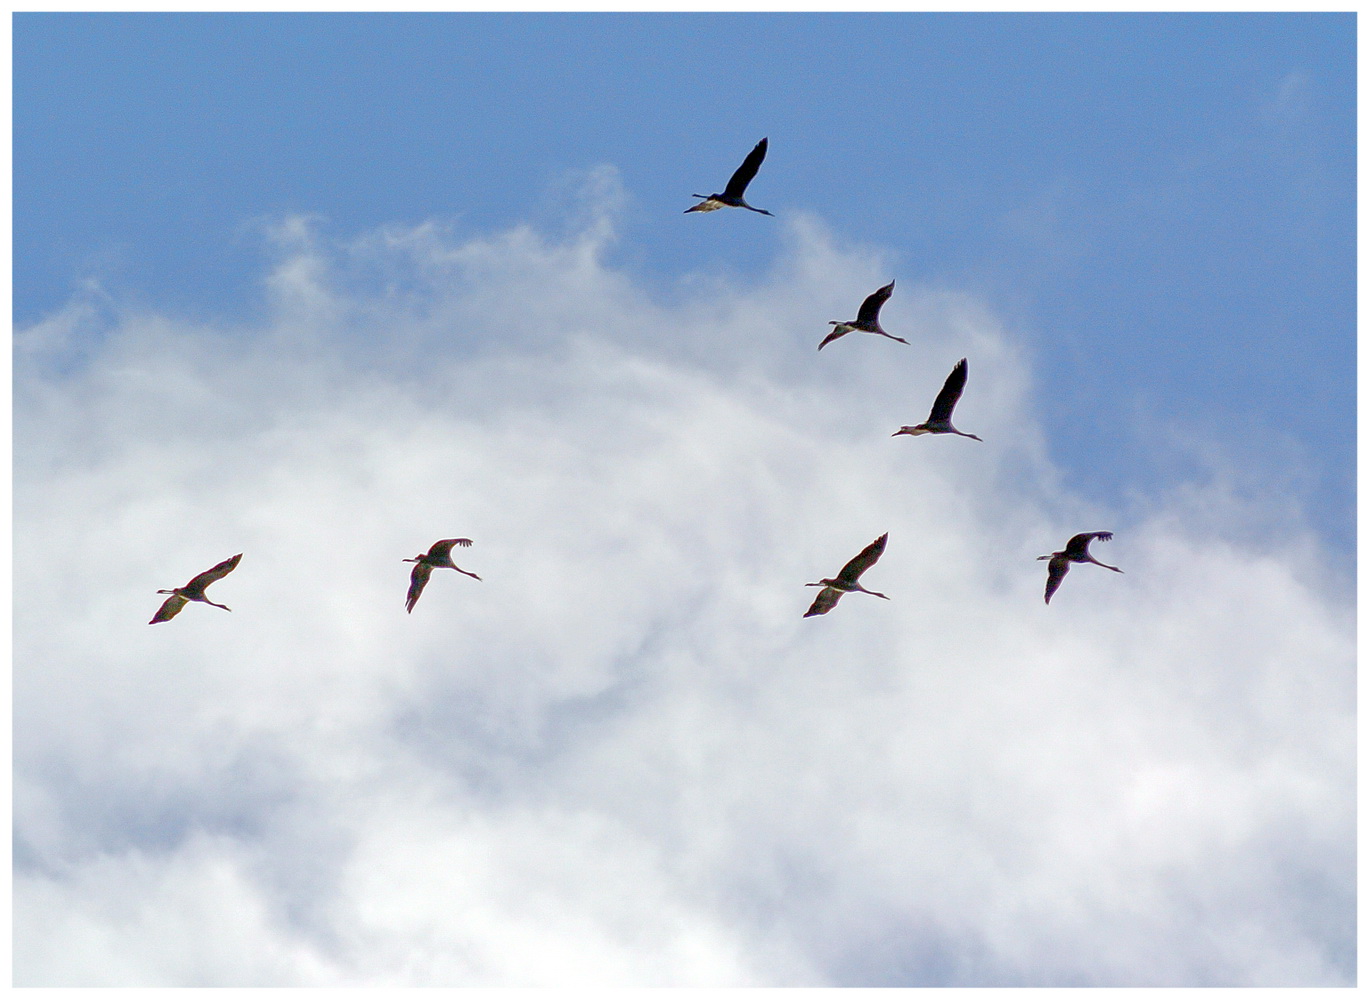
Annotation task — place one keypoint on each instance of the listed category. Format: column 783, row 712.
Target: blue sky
column 1163, row 205
column 343, row 285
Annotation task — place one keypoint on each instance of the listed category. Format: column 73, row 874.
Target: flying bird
column 736, row 187
column 437, row 557
column 845, row 581
column 939, row 420
column 194, row 591
column 1076, row 550
column 867, row 321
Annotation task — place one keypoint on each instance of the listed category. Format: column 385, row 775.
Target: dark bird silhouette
column 194, row 591
column 437, row 557
column 845, row 581
column 736, row 187
column 1075, row 550
column 867, row 321
column 939, row 420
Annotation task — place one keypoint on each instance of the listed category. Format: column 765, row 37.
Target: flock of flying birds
column 439, row 555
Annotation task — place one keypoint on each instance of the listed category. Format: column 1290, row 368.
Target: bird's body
column 731, row 196
column 866, row 321
column 1075, row 550
column 194, row 591
column 939, row 420
column 439, row 556
column 846, row 580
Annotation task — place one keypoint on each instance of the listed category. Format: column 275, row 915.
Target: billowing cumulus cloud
column 623, row 757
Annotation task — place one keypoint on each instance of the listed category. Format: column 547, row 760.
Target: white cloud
column 1291, row 99
column 624, row 758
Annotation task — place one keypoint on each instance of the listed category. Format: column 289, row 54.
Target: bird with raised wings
column 194, row 591
column 846, row 581
column 437, row 557
column 1075, row 550
column 939, row 421
column 866, row 321
column 731, row 196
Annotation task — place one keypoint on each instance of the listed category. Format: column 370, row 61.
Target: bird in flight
column 1075, row 550
column 939, row 420
column 437, row 557
column 736, row 187
column 867, row 321
column 845, row 581
column 194, row 591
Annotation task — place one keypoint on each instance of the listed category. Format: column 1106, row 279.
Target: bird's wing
column 839, row 331
column 736, row 187
column 444, row 547
column 1079, row 545
column 1055, row 572
column 216, row 573
column 418, row 579
column 825, row 601
column 170, row 608
column 869, row 309
column 949, row 394
column 869, row 555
